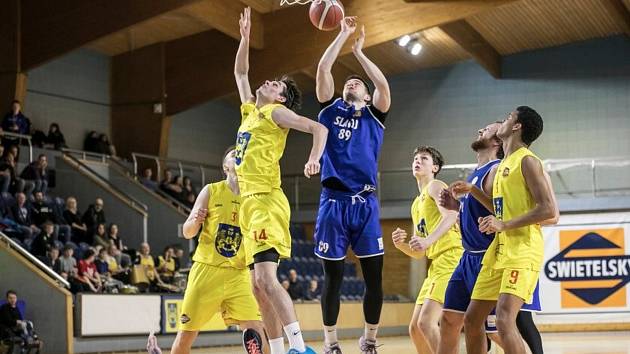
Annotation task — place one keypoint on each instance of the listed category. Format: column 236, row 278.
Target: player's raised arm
column 197, row 215
column 241, row 65
column 325, row 84
column 286, row 118
column 381, row 99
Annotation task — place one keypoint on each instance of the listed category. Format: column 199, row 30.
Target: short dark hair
column 88, row 253
column 16, row 101
column 435, row 155
column 500, row 152
column 531, row 124
column 292, row 94
column 11, row 292
column 360, row 78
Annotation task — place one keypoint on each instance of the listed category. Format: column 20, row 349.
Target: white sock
column 370, row 331
column 294, row 334
column 277, row 345
column 330, row 335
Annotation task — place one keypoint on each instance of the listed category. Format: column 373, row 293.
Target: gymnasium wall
column 72, row 91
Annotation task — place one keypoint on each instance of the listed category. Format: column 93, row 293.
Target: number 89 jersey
column 353, row 146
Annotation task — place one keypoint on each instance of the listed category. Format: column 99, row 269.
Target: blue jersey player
column 348, row 211
column 459, row 290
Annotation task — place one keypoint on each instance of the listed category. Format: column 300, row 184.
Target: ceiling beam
column 618, row 10
column 53, row 28
column 467, row 37
column 205, row 71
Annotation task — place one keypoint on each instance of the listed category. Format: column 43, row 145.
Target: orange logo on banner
column 592, row 268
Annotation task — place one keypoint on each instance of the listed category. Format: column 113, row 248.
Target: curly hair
column 292, row 94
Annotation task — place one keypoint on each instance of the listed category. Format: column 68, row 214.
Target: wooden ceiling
column 450, row 31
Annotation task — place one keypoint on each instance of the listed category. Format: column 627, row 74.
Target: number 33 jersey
column 354, row 143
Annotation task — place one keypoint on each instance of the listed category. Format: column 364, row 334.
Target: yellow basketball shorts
column 217, row 289
column 264, row 223
column 438, row 276
column 491, row 283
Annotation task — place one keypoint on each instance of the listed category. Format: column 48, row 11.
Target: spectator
column 313, row 291
column 43, row 212
column 170, row 186
column 100, row 237
column 147, row 179
column 12, row 325
column 178, row 257
column 7, row 166
column 101, row 262
column 166, row 265
column 44, row 241
column 114, row 238
column 91, row 142
column 146, row 260
column 67, row 262
column 55, row 137
column 296, row 291
column 104, row 147
column 87, row 272
column 52, row 258
column 9, row 226
column 37, row 173
column 23, row 213
column 15, row 122
column 73, row 218
column 116, row 266
column 94, row 215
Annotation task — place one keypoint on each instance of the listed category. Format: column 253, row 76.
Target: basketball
column 326, row 14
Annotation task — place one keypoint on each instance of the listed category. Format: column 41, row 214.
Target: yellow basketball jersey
column 259, row 146
column 220, row 242
column 522, row 247
column 426, row 217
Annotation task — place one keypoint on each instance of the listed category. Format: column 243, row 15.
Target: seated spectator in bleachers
column 23, row 214
column 105, row 147
column 52, row 258
column 13, row 325
column 67, row 262
column 9, row 226
column 16, row 184
column 148, row 262
column 37, row 173
column 94, row 215
column 147, row 179
column 178, row 257
column 166, row 265
column 116, row 264
column 72, row 216
column 313, row 292
column 169, row 185
column 189, row 193
column 44, row 212
column 114, row 238
column 55, row 137
column 91, row 142
column 100, row 237
column 296, row 291
column 88, row 274
column 102, row 266
column 15, row 122
column 44, row 241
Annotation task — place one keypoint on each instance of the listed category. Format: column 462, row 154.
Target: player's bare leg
column 474, row 325
column 451, row 324
column 508, row 307
column 422, row 347
column 272, row 324
column 428, row 323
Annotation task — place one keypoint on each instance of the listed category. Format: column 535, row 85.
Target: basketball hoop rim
column 295, row 2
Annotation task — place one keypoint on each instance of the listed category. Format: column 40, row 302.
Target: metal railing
column 202, row 172
column 571, row 178
column 28, row 139
column 39, row 264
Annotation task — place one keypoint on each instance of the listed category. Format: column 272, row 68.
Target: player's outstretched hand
column 490, row 224
column 399, row 236
column 311, row 168
column 349, row 24
column 460, row 187
column 245, row 22
column 357, row 47
column 200, row 216
column 418, row 244
column 447, row 201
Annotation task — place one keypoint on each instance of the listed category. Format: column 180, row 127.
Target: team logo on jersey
column 592, row 268
column 242, row 140
column 228, row 240
column 422, row 228
column 506, row 172
column 184, row 319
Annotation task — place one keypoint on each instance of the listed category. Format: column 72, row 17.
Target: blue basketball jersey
column 355, row 137
column 471, row 210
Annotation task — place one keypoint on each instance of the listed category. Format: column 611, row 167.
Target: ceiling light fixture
column 404, row 40
column 416, row 48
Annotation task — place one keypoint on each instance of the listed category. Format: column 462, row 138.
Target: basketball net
column 295, row 2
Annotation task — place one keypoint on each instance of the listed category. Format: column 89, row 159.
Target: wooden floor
column 554, row 343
